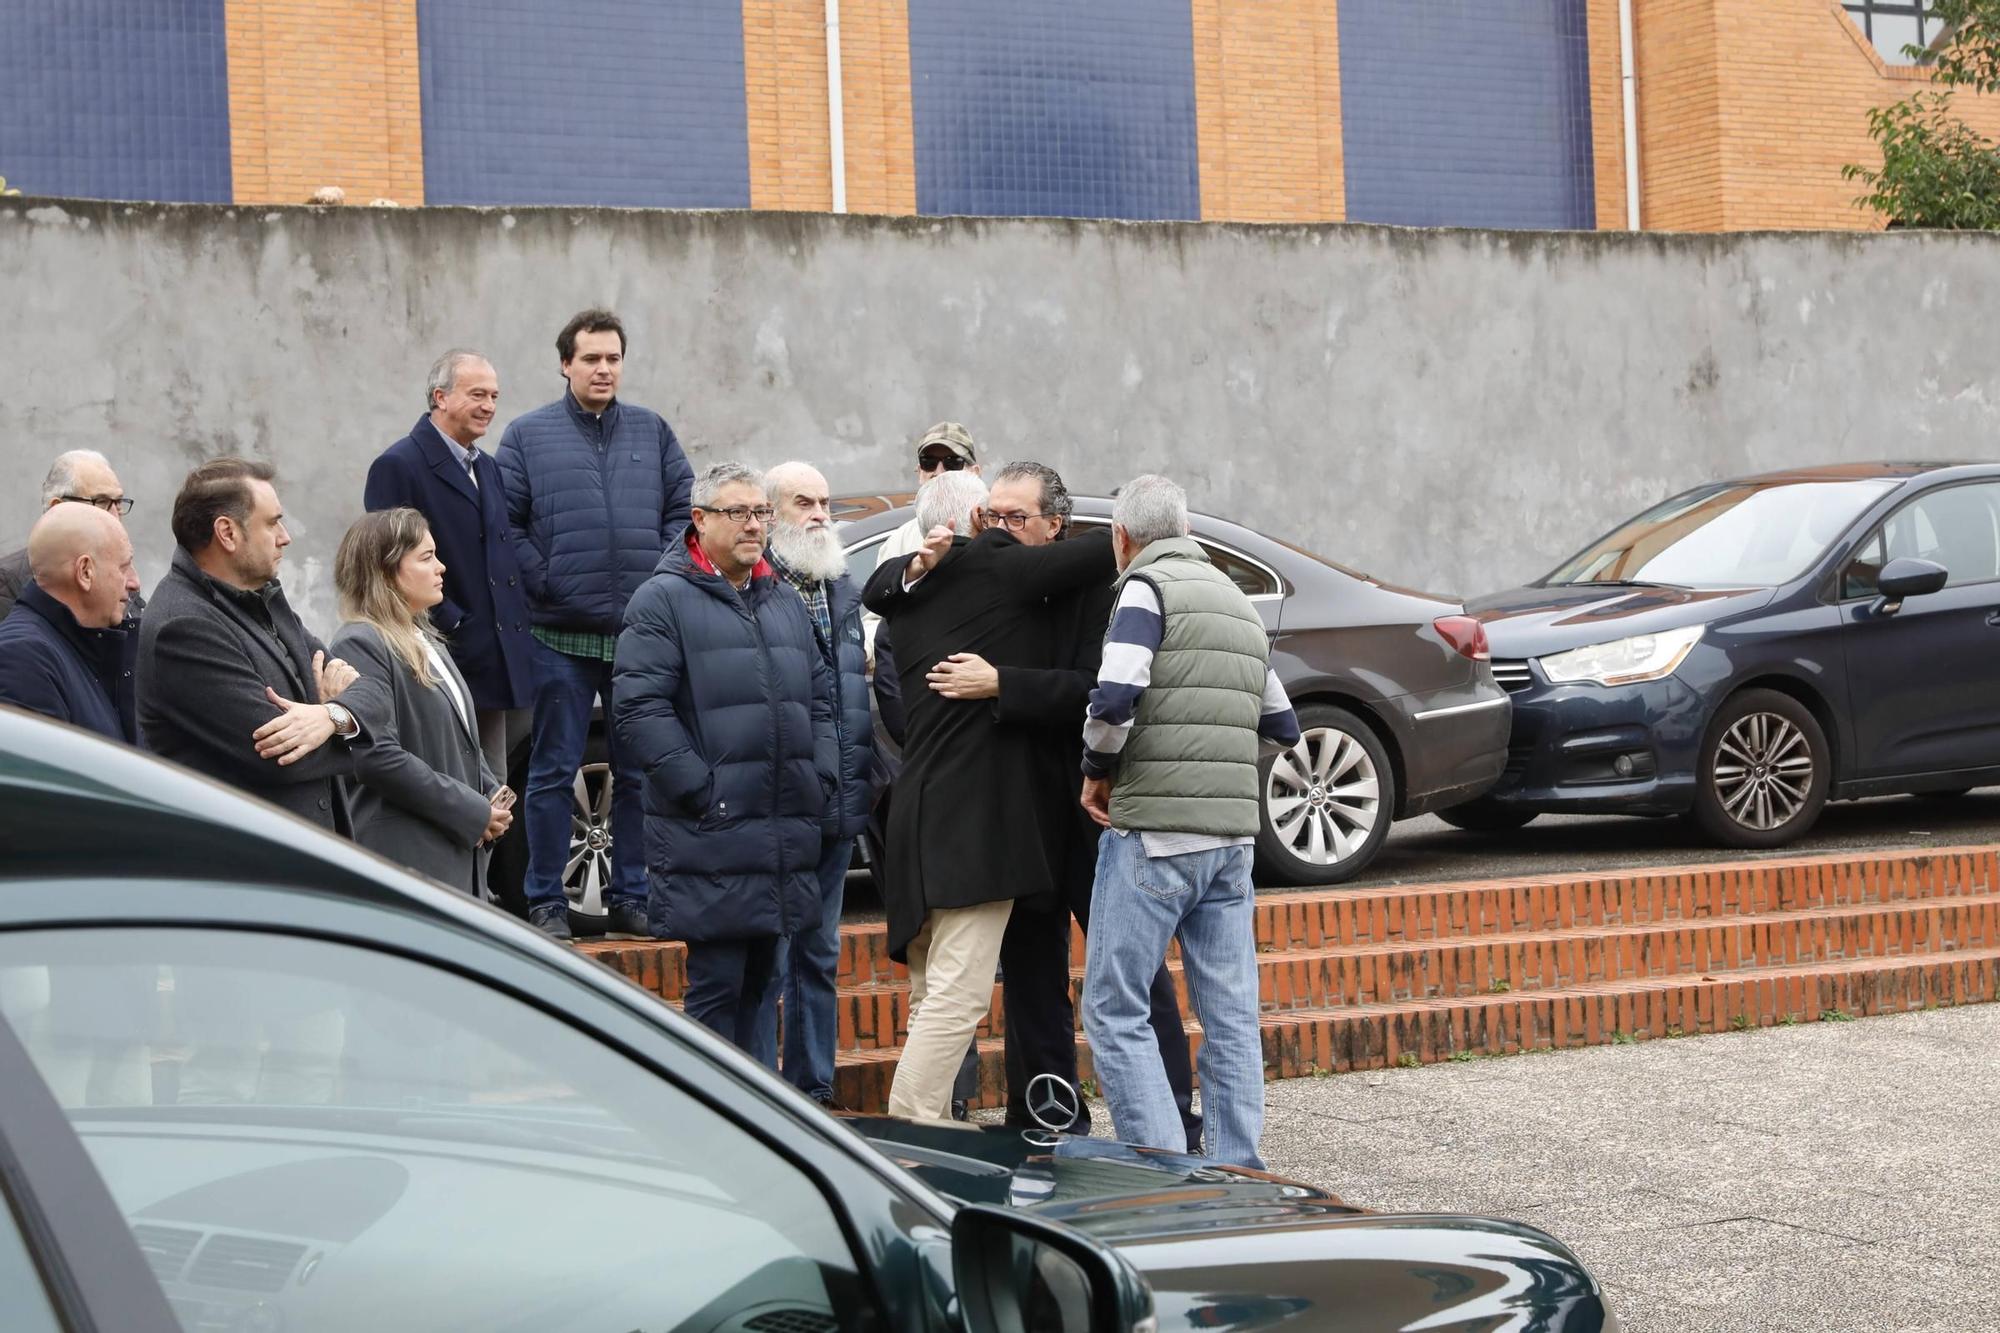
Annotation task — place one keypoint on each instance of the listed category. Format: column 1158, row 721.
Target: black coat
column 723, row 700
column 422, row 793
column 970, row 815
column 484, row 614
column 51, row 665
column 204, row 662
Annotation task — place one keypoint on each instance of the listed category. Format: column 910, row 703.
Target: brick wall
column 1607, row 114
column 324, row 94
column 1679, row 113
column 784, row 62
column 1267, row 110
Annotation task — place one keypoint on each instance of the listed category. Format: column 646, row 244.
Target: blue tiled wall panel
column 635, row 103
column 1054, row 108
column 112, row 99
column 1467, row 113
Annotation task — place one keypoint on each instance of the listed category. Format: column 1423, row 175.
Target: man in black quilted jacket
column 596, row 490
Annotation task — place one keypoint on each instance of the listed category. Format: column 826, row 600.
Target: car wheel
column 1487, row 816
column 1326, row 802
column 587, row 873
column 1764, row 771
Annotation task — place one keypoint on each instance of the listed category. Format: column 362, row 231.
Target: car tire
column 1325, row 804
column 1764, row 771
column 1486, row 815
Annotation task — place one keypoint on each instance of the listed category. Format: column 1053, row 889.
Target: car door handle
column 1993, row 617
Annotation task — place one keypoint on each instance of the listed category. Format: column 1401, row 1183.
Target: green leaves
column 1970, row 56
column 1936, row 171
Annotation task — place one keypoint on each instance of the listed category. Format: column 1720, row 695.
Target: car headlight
column 1623, row 661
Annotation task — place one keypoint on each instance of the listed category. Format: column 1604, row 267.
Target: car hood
column 1223, row 1247
column 1533, row 621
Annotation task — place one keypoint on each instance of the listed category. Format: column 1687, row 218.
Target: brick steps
column 1356, row 979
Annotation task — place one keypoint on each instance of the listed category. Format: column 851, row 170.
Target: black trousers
column 1041, row 1014
column 727, row 981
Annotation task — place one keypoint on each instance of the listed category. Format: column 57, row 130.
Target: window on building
column 1894, row 24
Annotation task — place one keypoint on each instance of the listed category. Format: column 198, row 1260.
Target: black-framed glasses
column 932, row 462
column 111, row 504
column 1011, row 522
column 740, row 514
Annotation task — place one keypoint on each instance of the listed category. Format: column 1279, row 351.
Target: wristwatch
column 344, row 724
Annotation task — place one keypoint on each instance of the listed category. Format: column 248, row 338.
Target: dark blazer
column 51, row 665
column 484, row 614
column 966, row 825
column 423, row 792
column 724, row 702
column 592, row 503
column 205, row 659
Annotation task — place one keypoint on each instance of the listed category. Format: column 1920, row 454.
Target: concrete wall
column 1451, row 410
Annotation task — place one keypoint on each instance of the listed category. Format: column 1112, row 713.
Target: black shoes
column 552, row 919
column 627, row 921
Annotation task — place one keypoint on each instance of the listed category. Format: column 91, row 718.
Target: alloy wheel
column 587, row 874
column 1324, row 796
column 1763, row 771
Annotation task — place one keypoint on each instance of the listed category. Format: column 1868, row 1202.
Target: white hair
column 61, row 478
column 947, row 501
column 1150, row 509
column 444, row 373
column 781, row 480
column 718, row 475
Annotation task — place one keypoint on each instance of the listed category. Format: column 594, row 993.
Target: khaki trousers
column 951, row 965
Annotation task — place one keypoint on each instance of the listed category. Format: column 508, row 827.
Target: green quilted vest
column 1190, row 762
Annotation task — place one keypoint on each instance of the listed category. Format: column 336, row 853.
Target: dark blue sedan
column 1751, row 649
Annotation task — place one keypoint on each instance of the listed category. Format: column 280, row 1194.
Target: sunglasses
column 932, row 462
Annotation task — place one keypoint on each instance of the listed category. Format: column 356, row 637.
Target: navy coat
column 51, row 665
column 853, row 725
column 484, row 614
column 592, row 502
column 723, row 700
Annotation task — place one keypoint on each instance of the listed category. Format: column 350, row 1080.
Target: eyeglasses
column 1011, row 522
column 738, row 514
column 932, row 462
column 110, row 504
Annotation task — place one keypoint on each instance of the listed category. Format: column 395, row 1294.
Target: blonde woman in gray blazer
column 426, row 797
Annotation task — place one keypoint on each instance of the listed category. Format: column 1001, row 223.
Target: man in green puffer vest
column 1170, row 771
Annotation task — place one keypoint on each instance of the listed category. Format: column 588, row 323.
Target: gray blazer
column 423, row 792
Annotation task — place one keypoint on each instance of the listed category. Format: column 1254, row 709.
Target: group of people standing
column 1079, row 718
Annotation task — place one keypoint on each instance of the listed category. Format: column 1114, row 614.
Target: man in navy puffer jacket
column 805, row 550
column 596, row 490
column 724, row 702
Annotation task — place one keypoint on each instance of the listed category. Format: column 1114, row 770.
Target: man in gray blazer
column 230, row 682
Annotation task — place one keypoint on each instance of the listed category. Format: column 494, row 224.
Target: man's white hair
column 718, row 475
column 782, row 480
column 1150, row 509
column 444, row 373
column 61, row 478
column 947, row 501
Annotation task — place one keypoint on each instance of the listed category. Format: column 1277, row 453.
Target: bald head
column 81, row 556
column 790, row 483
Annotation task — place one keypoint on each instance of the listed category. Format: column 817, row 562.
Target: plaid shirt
column 578, row 643
column 814, row 594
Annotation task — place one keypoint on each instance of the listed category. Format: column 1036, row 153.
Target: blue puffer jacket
column 853, row 724
column 591, row 503
column 723, row 701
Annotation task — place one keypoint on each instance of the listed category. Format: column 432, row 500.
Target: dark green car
column 253, row 1078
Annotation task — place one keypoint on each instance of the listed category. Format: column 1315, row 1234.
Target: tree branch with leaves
column 1936, row 170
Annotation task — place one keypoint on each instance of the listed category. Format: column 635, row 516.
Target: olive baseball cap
column 952, row 436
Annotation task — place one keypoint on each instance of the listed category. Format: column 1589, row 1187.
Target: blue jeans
column 1138, row 905
column 806, row 968
column 565, row 688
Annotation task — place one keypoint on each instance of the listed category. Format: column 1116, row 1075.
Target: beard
column 810, row 553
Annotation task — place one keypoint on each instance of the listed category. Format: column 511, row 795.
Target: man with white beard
column 805, row 550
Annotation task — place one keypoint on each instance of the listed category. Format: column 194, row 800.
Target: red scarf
column 707, row 566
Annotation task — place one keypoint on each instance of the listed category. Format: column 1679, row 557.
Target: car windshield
column 1731, row 535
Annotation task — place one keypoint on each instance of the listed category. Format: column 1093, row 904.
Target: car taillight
column 1466, row 635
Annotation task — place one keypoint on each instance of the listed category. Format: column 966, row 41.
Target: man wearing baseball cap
column 945, row 447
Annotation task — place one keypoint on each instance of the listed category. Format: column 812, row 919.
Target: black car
column 1751, row 649
column 1398, row 706
column 254, row 1078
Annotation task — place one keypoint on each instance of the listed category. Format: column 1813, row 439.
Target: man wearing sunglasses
column 81, row 476
column 945, row 447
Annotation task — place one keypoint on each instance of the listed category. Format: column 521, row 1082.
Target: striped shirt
column 1136, row 628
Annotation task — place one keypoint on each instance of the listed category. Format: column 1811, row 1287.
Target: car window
column 1245, row 573
column 312, row 1136
column 24, row 1304
column 1955, row 526
column 861, row 561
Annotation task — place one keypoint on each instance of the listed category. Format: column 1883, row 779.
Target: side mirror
column 1018, row 1273
column 1907, row 577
